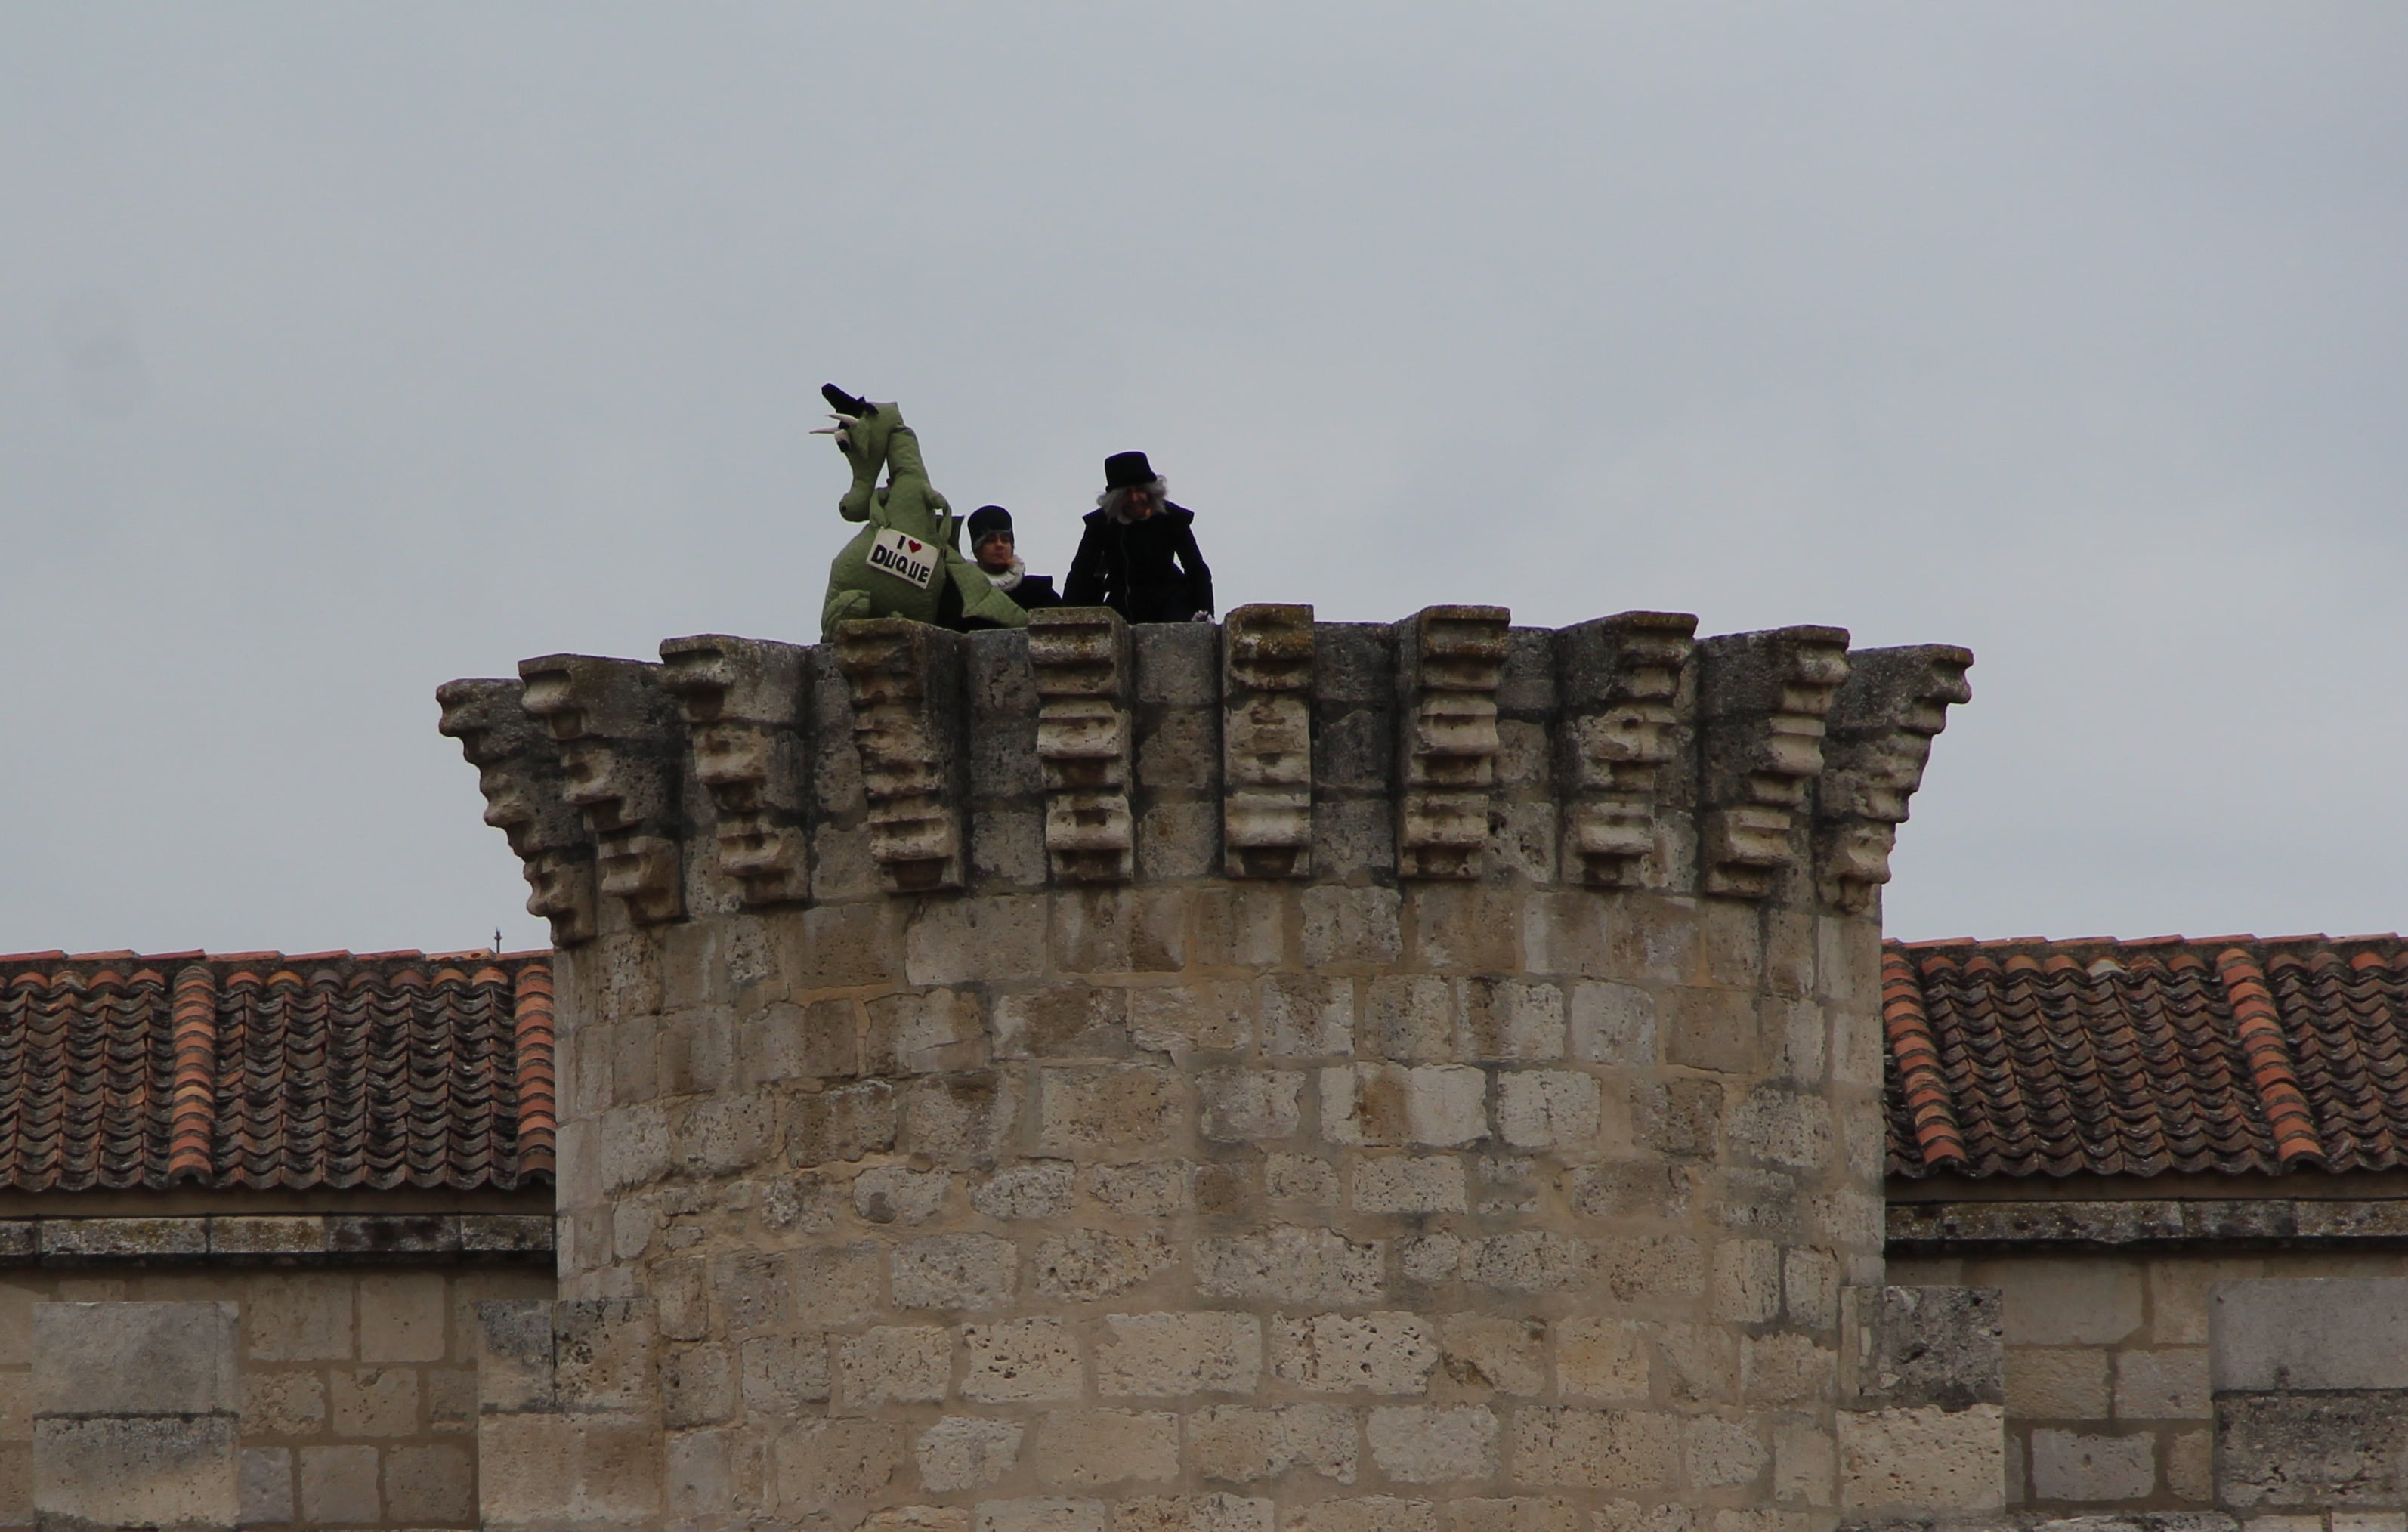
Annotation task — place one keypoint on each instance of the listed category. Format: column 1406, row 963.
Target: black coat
column 1034, row 590
column 1149, row 571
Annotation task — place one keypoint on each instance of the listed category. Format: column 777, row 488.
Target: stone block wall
column 1925, row 1430
column 339, row 1398
column 569, row 1417
column 134, row 1416
column 2116, row 1398
column 2311, row 1381
column 1353, row 1223
column 1284, row 1076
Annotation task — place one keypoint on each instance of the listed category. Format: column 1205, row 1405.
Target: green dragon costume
column 904, row 561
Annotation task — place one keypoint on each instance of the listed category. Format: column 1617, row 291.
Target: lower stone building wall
column 2112, row 1400
column 355, row 1388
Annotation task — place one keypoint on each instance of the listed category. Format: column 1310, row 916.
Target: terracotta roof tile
column 2099, row 1057
column 257, row 1070
column 1917, row 1084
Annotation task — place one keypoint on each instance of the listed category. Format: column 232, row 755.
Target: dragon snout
column 840, row 429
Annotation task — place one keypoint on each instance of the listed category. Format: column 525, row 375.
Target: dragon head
column 872, row 437
column 862, row 429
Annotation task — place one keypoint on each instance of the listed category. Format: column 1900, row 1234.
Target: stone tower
column 1280, row 1075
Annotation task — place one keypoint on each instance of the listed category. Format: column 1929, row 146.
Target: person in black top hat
column 991, row 545
column 1139, row 555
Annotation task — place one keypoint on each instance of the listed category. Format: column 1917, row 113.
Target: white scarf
column 1007, row 581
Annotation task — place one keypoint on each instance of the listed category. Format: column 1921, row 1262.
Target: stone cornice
column 278, row 1240
column 2137, row 1224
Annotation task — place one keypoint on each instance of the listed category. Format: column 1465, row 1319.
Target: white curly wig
column 1115, row 502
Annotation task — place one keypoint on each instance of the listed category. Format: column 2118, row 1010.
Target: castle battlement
column 1619, row 753
column 1281, row 1075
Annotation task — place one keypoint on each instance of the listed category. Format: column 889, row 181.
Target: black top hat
column 986, row 521
column 1127, row 471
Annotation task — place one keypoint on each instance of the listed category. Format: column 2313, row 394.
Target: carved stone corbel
column 1449, row 661
column 519, row 772
column 743, row 700
column 1881, row 726
column 1762, row 700
column 1621, row 680
column 1267, row 741
column 906, row 679
column 1081, row 657
column 614, row 728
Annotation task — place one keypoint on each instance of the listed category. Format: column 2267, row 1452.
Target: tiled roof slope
column 2099, row 1057
column 256, row 1069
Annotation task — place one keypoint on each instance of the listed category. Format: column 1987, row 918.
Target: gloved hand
column 1201, row 617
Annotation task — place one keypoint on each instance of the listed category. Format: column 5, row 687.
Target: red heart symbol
column 916, row 547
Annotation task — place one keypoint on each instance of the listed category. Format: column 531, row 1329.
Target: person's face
column 994, row 553
column 1141, row 503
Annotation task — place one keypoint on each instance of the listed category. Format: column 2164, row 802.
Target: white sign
column 907, row 558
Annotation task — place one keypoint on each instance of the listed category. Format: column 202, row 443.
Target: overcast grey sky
column 344, row 349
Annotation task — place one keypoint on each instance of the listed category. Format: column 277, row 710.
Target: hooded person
column 1139, row 555
column 993, row 549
